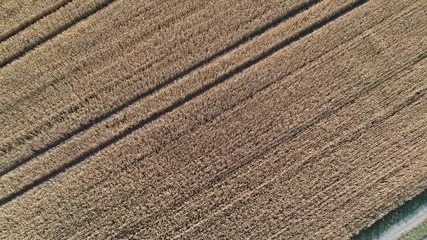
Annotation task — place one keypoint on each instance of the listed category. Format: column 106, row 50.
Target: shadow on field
column 220, row 79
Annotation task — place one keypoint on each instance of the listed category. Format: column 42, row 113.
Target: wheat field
column 184, row 119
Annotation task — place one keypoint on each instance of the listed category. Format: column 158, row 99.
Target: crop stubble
column 168, row 95
column 17, row 15
column 98, row 101
column 276, row 150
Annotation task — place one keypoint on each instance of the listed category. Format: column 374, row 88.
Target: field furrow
column 134, row 115
column 64, row 18
column 301, row 119
column 15, row 16
column 78, row 48
column 252, row 178
column 86, row 109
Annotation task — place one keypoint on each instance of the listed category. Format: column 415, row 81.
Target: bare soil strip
column 76, row 112
column 17, row 15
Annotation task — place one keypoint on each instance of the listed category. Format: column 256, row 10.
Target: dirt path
column 405, row 225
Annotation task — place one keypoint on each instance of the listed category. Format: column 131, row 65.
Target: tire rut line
column 30, row 47
column 48, row 124
column 355, row 135
column 297, row 131
column 23, row 25
column 210, row 120
column 34, row 93
column 291, row 134
column 169, row 81
column 389, row 174
column 261, row 89
column 306, row 31
column 219, row 179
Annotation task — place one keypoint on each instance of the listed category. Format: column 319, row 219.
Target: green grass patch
column 394, row 217
column 417, row 233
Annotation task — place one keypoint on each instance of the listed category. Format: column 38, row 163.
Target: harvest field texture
column 185, row 119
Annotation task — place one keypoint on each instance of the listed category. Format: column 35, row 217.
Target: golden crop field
column 185, row 119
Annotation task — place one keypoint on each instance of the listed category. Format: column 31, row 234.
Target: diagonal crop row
column 156, row 115
column 60, row 29
column 111, row 79
column 142, row 167
column 129, row 117
column 177, row 76
column 32, row 19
